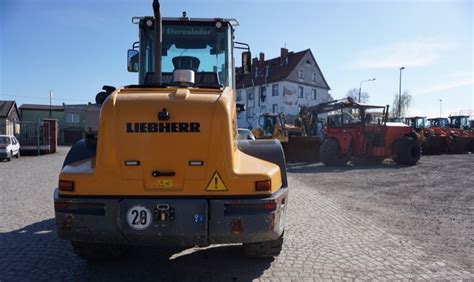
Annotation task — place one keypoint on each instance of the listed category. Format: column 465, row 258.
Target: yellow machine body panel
column 193, row 153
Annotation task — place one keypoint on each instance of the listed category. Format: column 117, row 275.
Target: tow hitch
column 163, row 213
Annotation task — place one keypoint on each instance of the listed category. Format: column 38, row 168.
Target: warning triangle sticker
column 216, row 183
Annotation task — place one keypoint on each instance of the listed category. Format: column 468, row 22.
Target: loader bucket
column 459, row 145
column 435, row 145
column 302, row 149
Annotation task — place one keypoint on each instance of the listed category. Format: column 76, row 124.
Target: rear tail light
column 65, row 185
column 270, row 206
column 265, row 185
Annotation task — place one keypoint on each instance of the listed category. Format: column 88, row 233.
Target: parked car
column 9, row 147
column 245, row 134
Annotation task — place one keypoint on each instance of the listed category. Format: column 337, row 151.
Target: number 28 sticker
column 139, row 218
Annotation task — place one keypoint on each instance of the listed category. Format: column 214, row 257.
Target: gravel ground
column 370, row 222
column 431, row 203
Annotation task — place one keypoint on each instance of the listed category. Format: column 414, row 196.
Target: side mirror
column 240, row 108
column 132, row 60
column 247, row 62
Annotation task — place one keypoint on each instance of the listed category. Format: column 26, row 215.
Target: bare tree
column 330, row 98
column 467, row 112
column 354, row 94
column 406, row 102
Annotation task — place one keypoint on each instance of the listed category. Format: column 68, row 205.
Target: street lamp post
column 400, row 94
column 50, row 98
column 360, row 85
column 440, row 103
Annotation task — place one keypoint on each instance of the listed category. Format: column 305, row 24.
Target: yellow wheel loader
column 298, row 147
column 166, row 167
column 274, row 126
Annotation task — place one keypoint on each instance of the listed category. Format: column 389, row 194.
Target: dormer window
column 308, row 62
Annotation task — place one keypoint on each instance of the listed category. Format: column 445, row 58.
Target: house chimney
column 261, row 61
column 255, row 67
column 254, row 62
column 283, row 55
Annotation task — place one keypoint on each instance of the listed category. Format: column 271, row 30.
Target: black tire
column 95, row 252
column 268, row 150
column 18, row 154
column 328, row 153
column 407, row 151
column 267, row 249
column 82, row 150
column 10, row 156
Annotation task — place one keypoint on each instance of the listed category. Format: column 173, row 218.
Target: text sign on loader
column 216, row 183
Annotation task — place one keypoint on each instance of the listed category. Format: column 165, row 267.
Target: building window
column 315, row 77
column 72, row 118
column 239, row 96
column 263, row 109
column 300, row 91
column 250, row 112
column 263, row 93
column 275, row 90
column 315, row 94
column 250, row 94
column 275, row 108
column 300, row 74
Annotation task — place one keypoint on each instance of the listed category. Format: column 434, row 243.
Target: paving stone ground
column 323, row 240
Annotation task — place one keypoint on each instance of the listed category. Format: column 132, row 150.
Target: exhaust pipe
column 158, row 40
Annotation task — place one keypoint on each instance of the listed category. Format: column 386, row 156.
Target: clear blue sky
column 74, row 47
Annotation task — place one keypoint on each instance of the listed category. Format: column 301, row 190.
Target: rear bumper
column 187, row 221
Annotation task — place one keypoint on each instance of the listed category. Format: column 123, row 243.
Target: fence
column 35, row 137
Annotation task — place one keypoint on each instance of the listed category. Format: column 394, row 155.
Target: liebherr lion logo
column 163, row 127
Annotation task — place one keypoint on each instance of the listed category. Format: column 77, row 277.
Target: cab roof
column 232, row 22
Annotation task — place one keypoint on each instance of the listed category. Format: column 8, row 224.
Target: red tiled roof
column 276, row 71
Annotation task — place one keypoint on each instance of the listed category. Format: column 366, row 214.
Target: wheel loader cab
column 417, row 123
column 267, row 123
column 203, row 46
column 439, row 122
column 460, row 122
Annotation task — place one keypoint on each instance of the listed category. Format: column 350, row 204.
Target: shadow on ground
column 36, row 253
column 352, row 165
